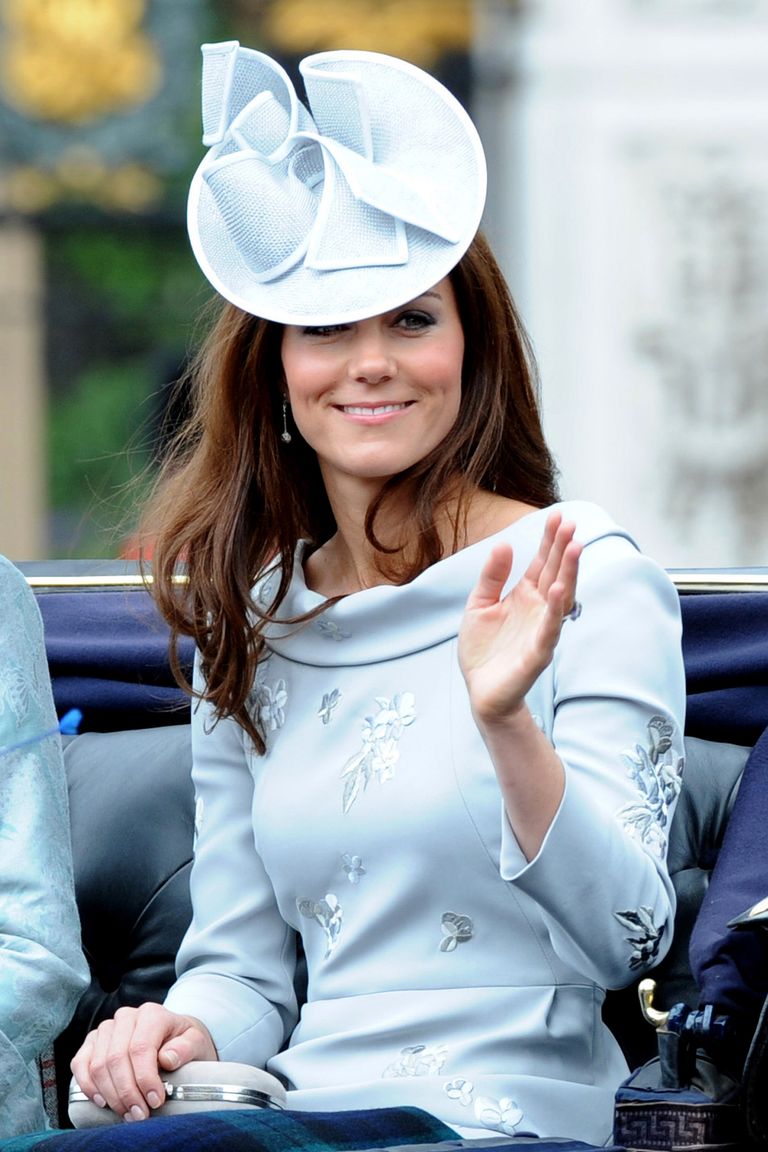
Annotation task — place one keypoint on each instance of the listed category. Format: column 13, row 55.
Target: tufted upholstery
column 132, row 818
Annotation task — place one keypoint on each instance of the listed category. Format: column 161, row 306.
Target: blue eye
column 414, row 319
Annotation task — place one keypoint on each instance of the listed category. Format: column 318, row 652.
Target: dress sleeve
column 43, row 969
column 618, row 685
column 236, row 964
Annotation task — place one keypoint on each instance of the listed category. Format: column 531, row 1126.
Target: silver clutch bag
column 200, row 1086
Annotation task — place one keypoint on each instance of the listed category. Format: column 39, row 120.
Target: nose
column 371, row 360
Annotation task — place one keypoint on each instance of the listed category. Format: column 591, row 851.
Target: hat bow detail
column 385, row 171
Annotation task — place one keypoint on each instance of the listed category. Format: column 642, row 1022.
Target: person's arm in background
column 43, row 971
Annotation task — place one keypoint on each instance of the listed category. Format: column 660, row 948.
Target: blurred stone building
column 628, row 144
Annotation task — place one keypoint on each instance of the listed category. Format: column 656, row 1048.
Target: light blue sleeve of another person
column 42, row 968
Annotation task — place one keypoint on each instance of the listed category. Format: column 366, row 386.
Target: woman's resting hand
column 120, row 1063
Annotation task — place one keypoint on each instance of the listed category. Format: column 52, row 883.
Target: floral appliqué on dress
column 330, row 630
column 379, row 753
column 353, row 867
column 457, row 929
column 269, row 701
column 329, row 704
column 418, row 1060
column 658, row 776
column 328, row 914
column 461, row 1090
column 645, row 938
column 502, row 1115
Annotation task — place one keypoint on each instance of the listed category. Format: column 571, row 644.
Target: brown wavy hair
column 232, row 499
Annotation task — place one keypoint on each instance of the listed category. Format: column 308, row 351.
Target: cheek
column 291, row 369
column 451, row 365
column 453, row 397
column 302, row 378
column 302, row 368
column 451, row 376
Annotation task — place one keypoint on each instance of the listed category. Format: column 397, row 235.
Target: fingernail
column 171, row 1058
column 99, row 1101
column 136, row 1113
column 153, row 1099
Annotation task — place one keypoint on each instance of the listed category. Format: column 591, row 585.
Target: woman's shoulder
column 522, row 522
column 10, row 576
column 614, row 569
column 593, row 522
column 608, row 547
column 16, row 597
column 22, row 651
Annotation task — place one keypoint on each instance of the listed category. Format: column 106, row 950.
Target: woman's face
column 375, row 396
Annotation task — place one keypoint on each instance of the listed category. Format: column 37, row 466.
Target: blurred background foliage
column 99, row 136
column 121, row 305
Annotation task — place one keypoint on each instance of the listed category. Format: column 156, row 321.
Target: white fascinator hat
column 336, row 213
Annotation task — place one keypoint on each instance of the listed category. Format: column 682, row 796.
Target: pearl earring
column 285, row 435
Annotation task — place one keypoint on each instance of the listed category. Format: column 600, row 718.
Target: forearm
column 530, row 774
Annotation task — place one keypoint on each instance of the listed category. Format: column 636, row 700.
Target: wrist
column 510, row 722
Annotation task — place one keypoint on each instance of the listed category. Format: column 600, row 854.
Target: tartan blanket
column 246, row 1130
column 264, row 1130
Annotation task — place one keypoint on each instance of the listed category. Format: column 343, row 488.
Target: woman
column 415, row 750
column 43, row 970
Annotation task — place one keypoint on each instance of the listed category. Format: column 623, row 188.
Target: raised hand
column 119, row 1064
column 506, row 642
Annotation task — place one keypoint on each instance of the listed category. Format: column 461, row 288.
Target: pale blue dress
column 445, row 970
column 42, row 968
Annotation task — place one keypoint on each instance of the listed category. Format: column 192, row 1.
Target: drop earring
column 285, row 435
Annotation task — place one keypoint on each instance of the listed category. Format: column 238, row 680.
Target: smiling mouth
column 373, row 410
